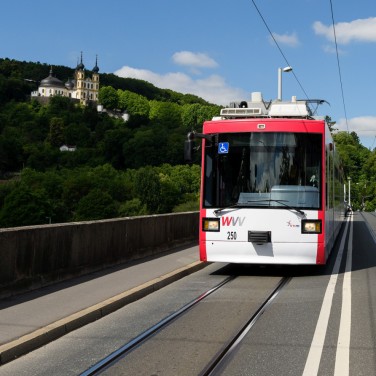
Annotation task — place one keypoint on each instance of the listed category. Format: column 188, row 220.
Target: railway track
column 220, row 361
column 221, row 355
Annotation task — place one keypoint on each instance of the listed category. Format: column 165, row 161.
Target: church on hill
column 81, row 88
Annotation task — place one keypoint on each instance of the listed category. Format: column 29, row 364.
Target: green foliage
column 330, row 123
column 166, row 113
column 194, row 115
column 117, row 169
column 133, row 103
column 59, row 105
column 56, row 135
column 89, row 193
column 108, row 97
column 76, row 134
column 11, row 153
column 148, row 188
column 96, row 205
column 360, row 166
column 191, row 204
column 113, row 146
column 132, row 208
column 352, row 153
column 13, row 89
column 25, row 206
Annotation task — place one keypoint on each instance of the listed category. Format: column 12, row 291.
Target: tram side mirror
column 188, row 150
column 189, row 144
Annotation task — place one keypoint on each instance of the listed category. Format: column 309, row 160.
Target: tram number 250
column 231, row 235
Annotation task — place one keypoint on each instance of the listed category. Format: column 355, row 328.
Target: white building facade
column 81, row 87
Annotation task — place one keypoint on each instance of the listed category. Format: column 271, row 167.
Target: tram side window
column 209, row 181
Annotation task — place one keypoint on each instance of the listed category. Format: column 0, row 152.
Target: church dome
column 51, row 81
column 80, row 66
column 96, row 68
column 69, row 84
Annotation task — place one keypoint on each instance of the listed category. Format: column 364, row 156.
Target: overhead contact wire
column 338, row 64
column 279, row 48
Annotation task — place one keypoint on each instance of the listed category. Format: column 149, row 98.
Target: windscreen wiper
column 283, row 202
column 216, row 211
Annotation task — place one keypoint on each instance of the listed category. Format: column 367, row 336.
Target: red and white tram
column 271, row 188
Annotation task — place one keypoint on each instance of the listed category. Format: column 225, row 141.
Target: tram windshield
column 263, row 170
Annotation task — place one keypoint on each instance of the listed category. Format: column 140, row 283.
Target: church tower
column 80, row 81
column 95, row 79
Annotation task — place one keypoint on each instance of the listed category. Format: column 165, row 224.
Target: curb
column 51, row 332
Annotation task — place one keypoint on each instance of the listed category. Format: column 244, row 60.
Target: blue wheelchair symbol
column 223, row 148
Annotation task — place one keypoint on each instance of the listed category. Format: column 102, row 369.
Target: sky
column 219, row 50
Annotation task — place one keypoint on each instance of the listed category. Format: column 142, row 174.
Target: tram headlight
column 311, row 226
column 210, row 224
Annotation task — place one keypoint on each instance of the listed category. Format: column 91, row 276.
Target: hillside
column 114, row 168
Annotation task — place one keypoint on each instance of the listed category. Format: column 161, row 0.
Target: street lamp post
column 280, row 70
column 349, row 180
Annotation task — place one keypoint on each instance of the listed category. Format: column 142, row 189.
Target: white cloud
column 361, row 30
column 213, row 88
column 362, row 125
column 194, row 59
column 290, row 40
column 332, row 50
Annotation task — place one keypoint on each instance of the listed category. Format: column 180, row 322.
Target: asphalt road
column 322, row 323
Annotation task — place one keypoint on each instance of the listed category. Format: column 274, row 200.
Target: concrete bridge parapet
column 35, row 256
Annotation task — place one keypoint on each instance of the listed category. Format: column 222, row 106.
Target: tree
column 41, row 156
column 11, row 153
column 170, row 194
column 357, row 161
column 107, row 179
column 330, row 123
column 144, row 148
column 148, row 188
column 133, row 103
column 76, row 184
column 58, row 105
column 77, row 134
column 132, row 208
column 166, row 114
column 96, row 205
column 186, row 177
column 25, row 206
column 50, row 182
column 108, row 97
column 194, row 115
column 352, row 153
column 56, row 135
column 190, row 117
column 113, row 144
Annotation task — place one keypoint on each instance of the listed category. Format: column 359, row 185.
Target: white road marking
column 342, row 365
column 314, row 356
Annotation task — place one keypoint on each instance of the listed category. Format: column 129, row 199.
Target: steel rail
column 222, row 358
column 123, row 350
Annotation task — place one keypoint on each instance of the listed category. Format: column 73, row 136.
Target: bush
column 96, row 205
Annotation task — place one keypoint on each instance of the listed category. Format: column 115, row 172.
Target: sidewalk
column 36, row 318
column 370, row 219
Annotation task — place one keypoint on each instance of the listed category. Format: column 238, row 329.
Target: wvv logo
column 232, row 221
